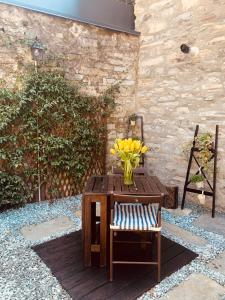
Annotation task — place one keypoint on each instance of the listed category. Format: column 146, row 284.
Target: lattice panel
column 61, row 185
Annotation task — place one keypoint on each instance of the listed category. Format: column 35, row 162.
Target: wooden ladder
column 212, row 187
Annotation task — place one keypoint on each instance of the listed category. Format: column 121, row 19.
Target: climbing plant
column 49, row 127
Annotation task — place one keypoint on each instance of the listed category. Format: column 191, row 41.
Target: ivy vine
column 49, row 126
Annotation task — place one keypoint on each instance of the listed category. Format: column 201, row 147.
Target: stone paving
column 202, row 279
column 216, row 225
column 183, row 234
column 47, row 229
column 218, row 263
column 196, row 287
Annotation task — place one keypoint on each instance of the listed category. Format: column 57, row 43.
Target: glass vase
column 128, row 174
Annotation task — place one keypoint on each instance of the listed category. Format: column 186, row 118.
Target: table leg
column 93, row 223
column 103, row 229
column 87, row 231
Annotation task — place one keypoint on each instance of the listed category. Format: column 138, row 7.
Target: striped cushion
column 135, row 216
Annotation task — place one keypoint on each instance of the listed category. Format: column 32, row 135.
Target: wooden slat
column 110, row 184
column 139, row 184
column 144, row 185
column 117, row 183
column 92, row 283
column 98, row 185
column 160, row 186
column 90, row 184
column 155, row 188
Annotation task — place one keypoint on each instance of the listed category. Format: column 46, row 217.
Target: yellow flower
column 144, row 149
column 121, row 145
column 137, row 145
column 115, row 146
column 132, row 147
column 129, row 141
column 112, row 151
column 126, row 148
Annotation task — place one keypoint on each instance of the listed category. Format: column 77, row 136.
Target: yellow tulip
column 137, row 145
column 126, row 148
column 112, row 151
column 121, row 145
column 129, row 141
column 144, row 149
column 115, row 146
column 132, row 147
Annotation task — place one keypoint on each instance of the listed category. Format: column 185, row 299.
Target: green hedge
column 49, row 126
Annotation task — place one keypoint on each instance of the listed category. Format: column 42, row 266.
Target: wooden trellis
column 66, row 186
column 212, row 186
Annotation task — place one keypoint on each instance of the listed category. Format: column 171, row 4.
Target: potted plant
column 198, row 179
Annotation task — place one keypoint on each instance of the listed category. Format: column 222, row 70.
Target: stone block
column 183, row 234
column 218, row 264
column 216, row 224
column 46, row 229
column 196, row 287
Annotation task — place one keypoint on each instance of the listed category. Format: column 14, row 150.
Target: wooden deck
column 64, row 257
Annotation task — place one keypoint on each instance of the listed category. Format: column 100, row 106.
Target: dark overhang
column 117, row 15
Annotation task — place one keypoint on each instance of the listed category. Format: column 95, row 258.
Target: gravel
column 24, row 276
column 215, row 245
column 22, row 273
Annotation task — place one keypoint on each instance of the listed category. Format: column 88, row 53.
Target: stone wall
column 176, row 91
column 93, row 56
column 173, row 91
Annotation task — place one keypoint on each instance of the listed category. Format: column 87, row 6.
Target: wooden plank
column 110, row 184
column 98, row 185
column 105, row 184
column 137, row 288
column 155, row 187
column 117, row 183
column 125, row 278
column 160, row 186
column 95, row 280
column 138, row 184
column 148, row 185
column 114, row 183
column 92, row 283
column 90, row 184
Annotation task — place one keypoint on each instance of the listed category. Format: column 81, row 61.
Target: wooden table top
column 143, row 185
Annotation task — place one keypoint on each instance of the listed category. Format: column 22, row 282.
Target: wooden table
column 98, row 189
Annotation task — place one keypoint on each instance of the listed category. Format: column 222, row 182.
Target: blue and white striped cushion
column 135, row 216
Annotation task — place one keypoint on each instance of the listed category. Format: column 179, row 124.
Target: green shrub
column 12, row 189
column 49, row 127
